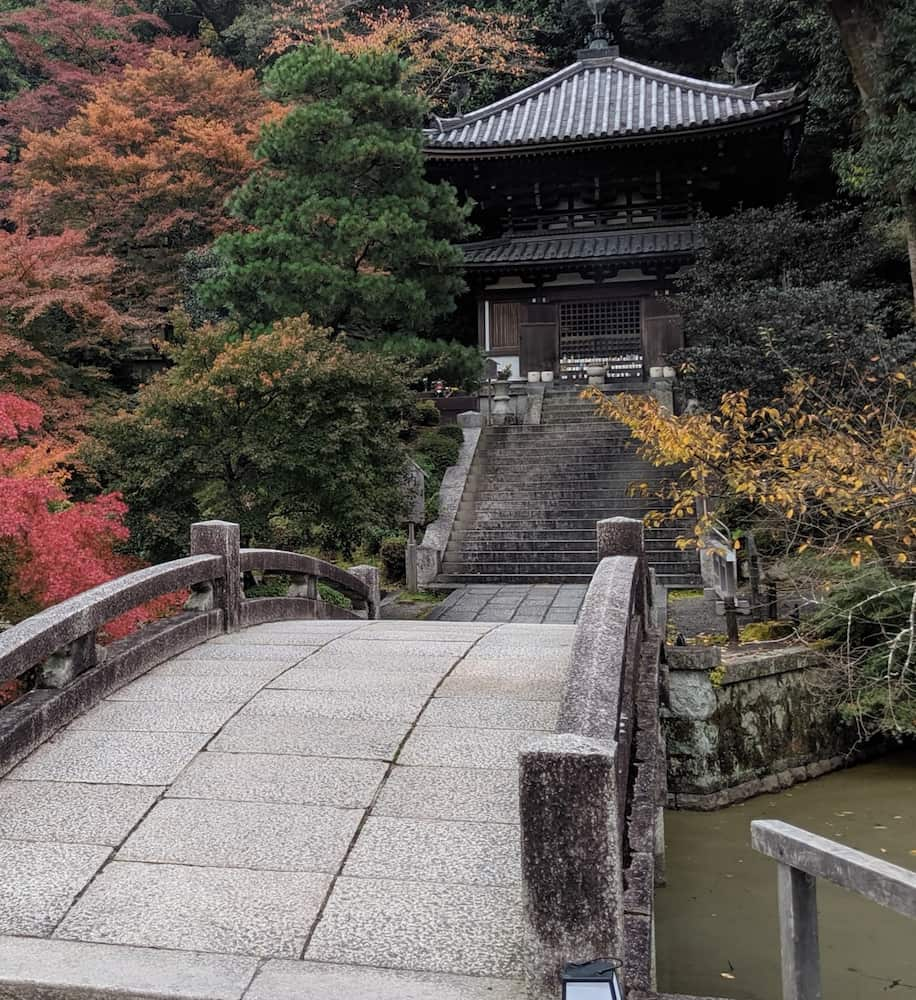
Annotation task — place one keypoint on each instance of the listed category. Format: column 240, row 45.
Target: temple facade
column 586, row 187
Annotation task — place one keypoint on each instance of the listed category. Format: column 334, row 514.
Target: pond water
column 716, row 920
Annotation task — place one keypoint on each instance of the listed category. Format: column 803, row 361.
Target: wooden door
column 539, row 339
column 662, row 331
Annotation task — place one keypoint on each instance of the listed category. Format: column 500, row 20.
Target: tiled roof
column 575, row 247
column 604, row 96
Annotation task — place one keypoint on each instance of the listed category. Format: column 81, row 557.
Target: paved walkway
column 304, row 810
column 523, row 603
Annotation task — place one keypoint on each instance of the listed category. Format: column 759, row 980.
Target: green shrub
column 426, row 413
column 331, row 596
column 392, row 553
column 454, row 432
column 439, row 450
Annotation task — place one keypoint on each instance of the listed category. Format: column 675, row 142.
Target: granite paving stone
column 469, row 930
column 261, row 777
column 372, row 706
column 432, row 747
column 470, row 794
column 261, row 835
column 73, row 813
column 111, row 758
column 40, row 881
column 251, row 670
column 39, row 969
column 157, row 717
column 236, row 911
column 282, row 980
column 491, row 713
column 152, row 687
column 265, row 727
column 391, row 652
column 425, row 850
column 257, row 652
column 514, row 677
column 359, row 679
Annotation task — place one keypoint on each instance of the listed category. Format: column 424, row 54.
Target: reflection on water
column 716, row 922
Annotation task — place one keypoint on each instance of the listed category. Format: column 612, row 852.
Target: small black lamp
column 592, row 980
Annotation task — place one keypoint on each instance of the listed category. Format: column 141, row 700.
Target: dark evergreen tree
column 341, row 220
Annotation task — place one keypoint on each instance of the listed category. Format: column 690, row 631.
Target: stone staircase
column 535, row 492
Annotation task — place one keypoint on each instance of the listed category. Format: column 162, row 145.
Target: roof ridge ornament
column 598, row 40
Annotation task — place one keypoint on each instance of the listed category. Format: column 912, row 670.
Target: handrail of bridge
column 803, row 858
column 589, row 794
column 66, row 672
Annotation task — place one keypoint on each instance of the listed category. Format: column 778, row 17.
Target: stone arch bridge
column 278, row 798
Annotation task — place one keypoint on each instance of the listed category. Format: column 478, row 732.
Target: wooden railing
column 803, row 858
column 66, row 672
column 589, row 795
column 576, row 220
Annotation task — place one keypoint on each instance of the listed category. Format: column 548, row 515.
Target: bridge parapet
column 589, row 796
column 58, row 646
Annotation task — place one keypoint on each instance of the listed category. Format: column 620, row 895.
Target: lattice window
column 601, row 330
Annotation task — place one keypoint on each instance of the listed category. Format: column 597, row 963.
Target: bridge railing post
column 222, row 538
column 572, row 859
column 625, row 536
column 372, row 579
column 798, row 944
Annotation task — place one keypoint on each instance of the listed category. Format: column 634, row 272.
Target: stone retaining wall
column 764, row 726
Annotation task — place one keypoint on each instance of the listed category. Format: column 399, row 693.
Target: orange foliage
column 145, row 167
column 443, row 47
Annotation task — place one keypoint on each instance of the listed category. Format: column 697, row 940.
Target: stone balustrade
column 67, row 672
column 590, row 796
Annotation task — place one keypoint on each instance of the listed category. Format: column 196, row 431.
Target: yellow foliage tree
column 831, row 474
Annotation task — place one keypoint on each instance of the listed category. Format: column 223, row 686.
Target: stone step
column 514, row 522
column 592, row 492
column 621, row 507
column 471, row 547
column 540, row 560
column 544, row 479
column 557, row 537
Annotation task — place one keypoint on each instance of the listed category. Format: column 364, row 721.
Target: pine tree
column 341, row 221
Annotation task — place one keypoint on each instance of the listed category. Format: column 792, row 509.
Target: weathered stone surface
column 208, row 909
column 593, row 692
column 374, row 706
column 264, row 777
column 768, row 721
column 257, row 835
column 463, row 929
column 221, row 538
column 488, row 748
column 262, row 653
column 222, row 688
column 280, row 980
column 510, row 676
column 572, row 879
column 413, row 850
column 274, row 725
column 359, row 681
column 693, row 657
column 68, row 812
column 112, row 758
column 371, row 579
column 640, row 953
column 155, row 717
column 40, row 881
column 474, row 794
column 33, row 969
column 691, row 695
column 491, row 713
column 37, row 715
column 620, row 536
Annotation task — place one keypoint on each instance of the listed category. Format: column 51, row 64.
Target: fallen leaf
column 726, row 975
column 878, row 826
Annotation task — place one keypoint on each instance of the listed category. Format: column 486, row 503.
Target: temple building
column 586, row 187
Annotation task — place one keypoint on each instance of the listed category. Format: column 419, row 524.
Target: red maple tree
column 54, row 547
column 61, row 47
